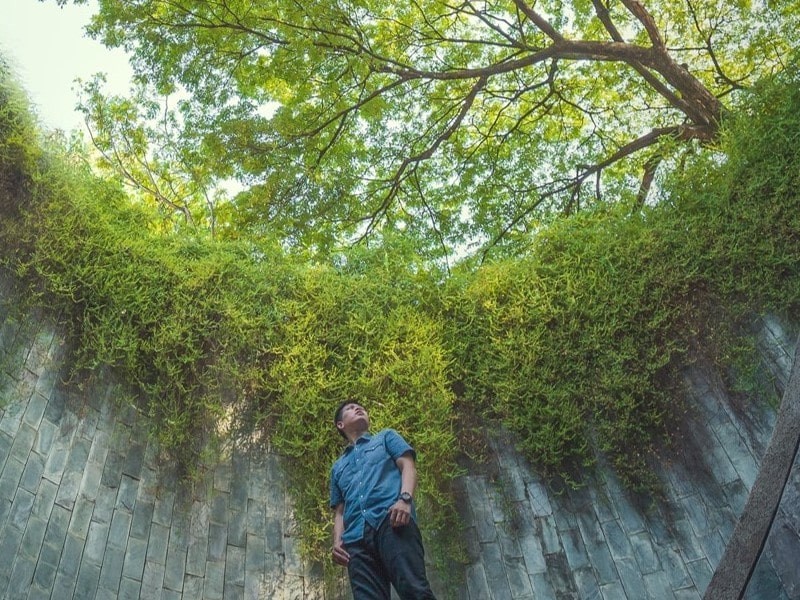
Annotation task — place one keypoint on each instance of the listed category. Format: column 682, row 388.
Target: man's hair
column 337, row 416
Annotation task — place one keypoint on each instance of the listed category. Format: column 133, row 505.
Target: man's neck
column 354, row 437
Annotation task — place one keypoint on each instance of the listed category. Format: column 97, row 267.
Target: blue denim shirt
column 367, row 480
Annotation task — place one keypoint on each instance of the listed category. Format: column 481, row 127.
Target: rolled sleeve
column 336, row 497
column 397, row 446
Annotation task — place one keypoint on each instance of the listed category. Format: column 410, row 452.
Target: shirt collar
column 364, row 437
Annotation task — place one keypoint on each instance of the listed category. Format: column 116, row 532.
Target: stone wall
column 88, row 508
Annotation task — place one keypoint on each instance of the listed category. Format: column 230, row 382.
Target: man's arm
column 340, row 555
column 400, row 512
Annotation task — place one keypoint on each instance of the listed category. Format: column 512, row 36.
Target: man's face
column 353, row 414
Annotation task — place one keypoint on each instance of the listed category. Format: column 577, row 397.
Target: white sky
column 48, row 49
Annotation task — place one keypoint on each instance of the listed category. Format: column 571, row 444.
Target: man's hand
column 340, row 555
column 400, row 514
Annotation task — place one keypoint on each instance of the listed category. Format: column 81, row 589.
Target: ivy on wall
column 575, row 347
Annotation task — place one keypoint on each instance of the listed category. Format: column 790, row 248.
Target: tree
column 465, row 121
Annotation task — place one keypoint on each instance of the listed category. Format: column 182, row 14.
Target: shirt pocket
column 375, row 453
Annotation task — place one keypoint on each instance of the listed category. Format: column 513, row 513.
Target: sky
column 48, row 49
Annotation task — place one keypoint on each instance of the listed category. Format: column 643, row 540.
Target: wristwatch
column 406, row 497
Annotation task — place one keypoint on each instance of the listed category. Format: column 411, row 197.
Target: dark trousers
column 388, row 555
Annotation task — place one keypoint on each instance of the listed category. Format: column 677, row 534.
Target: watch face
column 405, row 496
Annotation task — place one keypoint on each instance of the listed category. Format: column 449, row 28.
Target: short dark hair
column 337, row 416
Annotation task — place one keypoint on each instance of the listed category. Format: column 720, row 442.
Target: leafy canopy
column 463, row 124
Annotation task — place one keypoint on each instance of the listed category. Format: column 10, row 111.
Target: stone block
column 21, row 577
column 587, row 585
column 65, row 585
column 675, row 568
column 45, row 499
column 21, row 509
column 44, row 577
column 509, row 545
column 5, row 508
column 548, row 533
column 657, row 585
column 96, row 542
column 644, row 553
column 104, row 503
column 701, row 573
column 255, row 554
column 560, row 576
column 237, row 528
column 214, row 581
column 219, row 508
column 134, row 460
column 602, row 562
column 152, row 580
column 23, row 442
column 686, row 541
column 783, row 547
column 142, row 519
column 32, row 474
column 130, row 589
column 162, row 511
column 236, row 592
column 222, row 477
column 532, row 552
column 196, row 555
column 273, row 534
column 56, row 404
column 135, row 555
column 111, row 570
column 630, row 517
column 157, row 544
column 88, row 578
column 70, row 561
column 480, row 508
column 98, row 451
column 689, row 593
column 542, row 589
column 11, row 418
column 696, row 512
column 39, row 593
column 618, row 543
column 112, row 469
column 613, row 591
column 33, row 537
column 50, row 555
column 175, row 567
column 5, row 444
column 477, row 584
column 120, row 529
column 81, row 517
column 565, row 518
column 9, row 479
column 574, row 549
column 34, row 412
column 90, row 481
column 217, row 541
column 713, row 547
column 631, row 578
column 45, row 434
column 256, row 516
column 518, row 578
column 739, row 454
column 235, row 566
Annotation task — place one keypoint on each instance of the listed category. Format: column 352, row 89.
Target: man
column 375, row 534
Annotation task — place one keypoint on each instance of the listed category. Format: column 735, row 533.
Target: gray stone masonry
column 90, row 509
